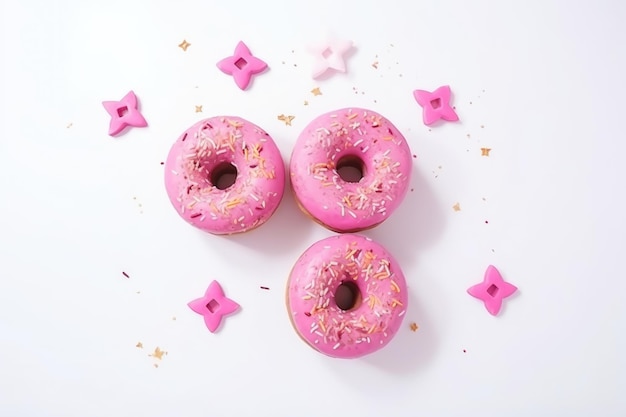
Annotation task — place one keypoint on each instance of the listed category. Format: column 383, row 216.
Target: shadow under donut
column 416, row 223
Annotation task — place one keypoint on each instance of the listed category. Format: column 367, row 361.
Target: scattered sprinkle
column 486, row 221
column 464, row 351
column 162, row 163
column 456, row 207
column 286, row 119
column 375, row 64
column 414, row 156
column 306, row 103
column 414, row 327
column 485, row 151
column 139, row 345
column 468, row 135
column 125, row 274
column 158, row 353
column 265, row 288
column 316, row 91
column 184, row 45
column 174, row 318
column 482, row 126
column 69, row 125
column 156, row 365
column 199, row 109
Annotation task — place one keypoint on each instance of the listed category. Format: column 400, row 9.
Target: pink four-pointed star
column 213, row 306
column 436, row 105
column 241, row 65
column 124, row 113
column 492, row 290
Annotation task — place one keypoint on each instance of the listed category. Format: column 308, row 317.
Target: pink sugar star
column 330, row 55
column 492, row 290
column 124, row 113
column 213, row 306
column 436, row 105
column 241, row 65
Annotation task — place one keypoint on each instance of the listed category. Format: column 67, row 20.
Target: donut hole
column 350, row 168
column 347, row 296
column 223, row 175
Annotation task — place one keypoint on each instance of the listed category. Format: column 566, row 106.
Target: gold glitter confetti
column 184, row 45
column 158, row 353
column 316, row 91
column 456, row 207
column 139, row 345
column 414, row 327
column 199, row 109
column 286, row 119
column 484, row 151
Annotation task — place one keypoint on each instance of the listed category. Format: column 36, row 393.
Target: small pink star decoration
column 242, row 65
column 213, row 306
column 492, row 290
column 330, row 55
column 436, row 105
column 124, row 113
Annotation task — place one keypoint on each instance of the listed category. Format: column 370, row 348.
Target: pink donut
column 350, row 169
column 225, row 175
column 346, row 296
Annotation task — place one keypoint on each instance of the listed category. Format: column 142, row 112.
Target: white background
column 541, row 83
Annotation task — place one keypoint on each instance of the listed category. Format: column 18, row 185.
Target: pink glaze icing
column 311, row 289
column 345, row 206
column 209, row 145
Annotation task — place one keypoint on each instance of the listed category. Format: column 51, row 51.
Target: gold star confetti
column 375, row 64
column 306, row 103
column 158, row 353
column 139, row 345
column 456, row 207
column 286, row 119
column 414, row 326
column 484, row 151
column 316, row 91
column 184, row 45
column 199, row 109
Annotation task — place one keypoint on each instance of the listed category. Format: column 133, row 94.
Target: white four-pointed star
column 329, row 55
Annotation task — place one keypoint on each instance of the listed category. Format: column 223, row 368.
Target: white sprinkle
column 366, row 149
column 402, row 313
column 174, row 172
column 337, row 345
